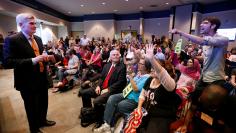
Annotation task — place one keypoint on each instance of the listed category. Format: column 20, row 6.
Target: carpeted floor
column 64, row 108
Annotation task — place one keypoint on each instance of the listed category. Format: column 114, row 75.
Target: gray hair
column 23, row 17
column 114, row 51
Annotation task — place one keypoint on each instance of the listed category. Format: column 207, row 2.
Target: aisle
column 63, row 108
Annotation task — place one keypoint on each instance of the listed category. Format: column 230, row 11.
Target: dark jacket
column 18, row 55
column 117, row 81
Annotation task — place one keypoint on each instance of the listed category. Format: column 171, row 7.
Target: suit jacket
column 117, row 81
column 18, row 55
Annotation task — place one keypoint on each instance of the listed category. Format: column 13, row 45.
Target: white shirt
column 84, row 41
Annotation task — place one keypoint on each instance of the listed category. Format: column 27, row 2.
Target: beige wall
column 77, row 26
column 7, row 23
column 13, row 9
column 99, row 28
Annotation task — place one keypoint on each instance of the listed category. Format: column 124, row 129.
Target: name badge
column 207, row 118
column 127, row 90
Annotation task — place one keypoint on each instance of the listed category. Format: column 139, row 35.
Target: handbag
column 87, row 116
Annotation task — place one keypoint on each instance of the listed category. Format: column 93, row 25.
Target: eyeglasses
column 141, row 63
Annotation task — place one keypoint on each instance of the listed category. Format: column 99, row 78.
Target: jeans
column 62, row 74
column 115, row 103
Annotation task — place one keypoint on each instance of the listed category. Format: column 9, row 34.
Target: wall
column 99, row 28
column 62, row 31
column 49, row 33
column 77, row 26
column 14, row 8
column 182, row 20
column 77, row 29
column 125, row 24
column 156, row 26
column 7, row 23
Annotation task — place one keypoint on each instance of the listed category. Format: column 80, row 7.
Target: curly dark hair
column 213, row 20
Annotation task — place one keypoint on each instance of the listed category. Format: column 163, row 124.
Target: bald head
column 213, row 96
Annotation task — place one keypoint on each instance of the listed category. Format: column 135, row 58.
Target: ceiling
column 86, row 7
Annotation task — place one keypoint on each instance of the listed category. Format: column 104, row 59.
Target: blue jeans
column 115, row 103
column 62, row 74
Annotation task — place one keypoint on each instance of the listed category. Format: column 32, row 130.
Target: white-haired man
column 112, row 81
column 23, row 52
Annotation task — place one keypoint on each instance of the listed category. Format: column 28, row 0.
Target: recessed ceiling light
column 140, row 7
column 126, row 0
column 115, row 10
column 103, row 3
column 69, row 12
column 82, row 5
column 93, row 12
column 167, row 3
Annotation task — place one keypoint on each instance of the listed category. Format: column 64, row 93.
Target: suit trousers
column 98, row 102
column 36, row 106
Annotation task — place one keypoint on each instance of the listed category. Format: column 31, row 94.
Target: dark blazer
column 18, row 55
column 117, row 81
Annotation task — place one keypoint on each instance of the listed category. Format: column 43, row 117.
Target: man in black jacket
column 111, row 81
column 23, row 52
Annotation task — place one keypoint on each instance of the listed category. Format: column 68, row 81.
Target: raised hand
column 173, row 31
column 149, row 51
column 176, row 31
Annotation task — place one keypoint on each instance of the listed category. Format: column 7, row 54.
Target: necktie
column 105, row 82
column 36, row 51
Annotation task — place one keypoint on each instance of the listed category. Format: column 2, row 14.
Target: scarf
column 193, row 72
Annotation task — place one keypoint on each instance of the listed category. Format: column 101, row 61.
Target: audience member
column 214, row 48
column 70, row 69
column 126, row 102
column 213, row 112
column 158, row 97
column 111, row 81
column 84, row 41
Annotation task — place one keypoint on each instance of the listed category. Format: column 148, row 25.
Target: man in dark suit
column 111, row 81
column 23, row 52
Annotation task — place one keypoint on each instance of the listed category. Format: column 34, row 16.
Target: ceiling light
column 115, row 10
column 103, row 3
column 93, row 12
column 126, row 0
column 167, row 3
column 140, row 7
column 82, row 5
column 69, row 12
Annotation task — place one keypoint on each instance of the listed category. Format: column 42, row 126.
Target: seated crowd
column 146, row 84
